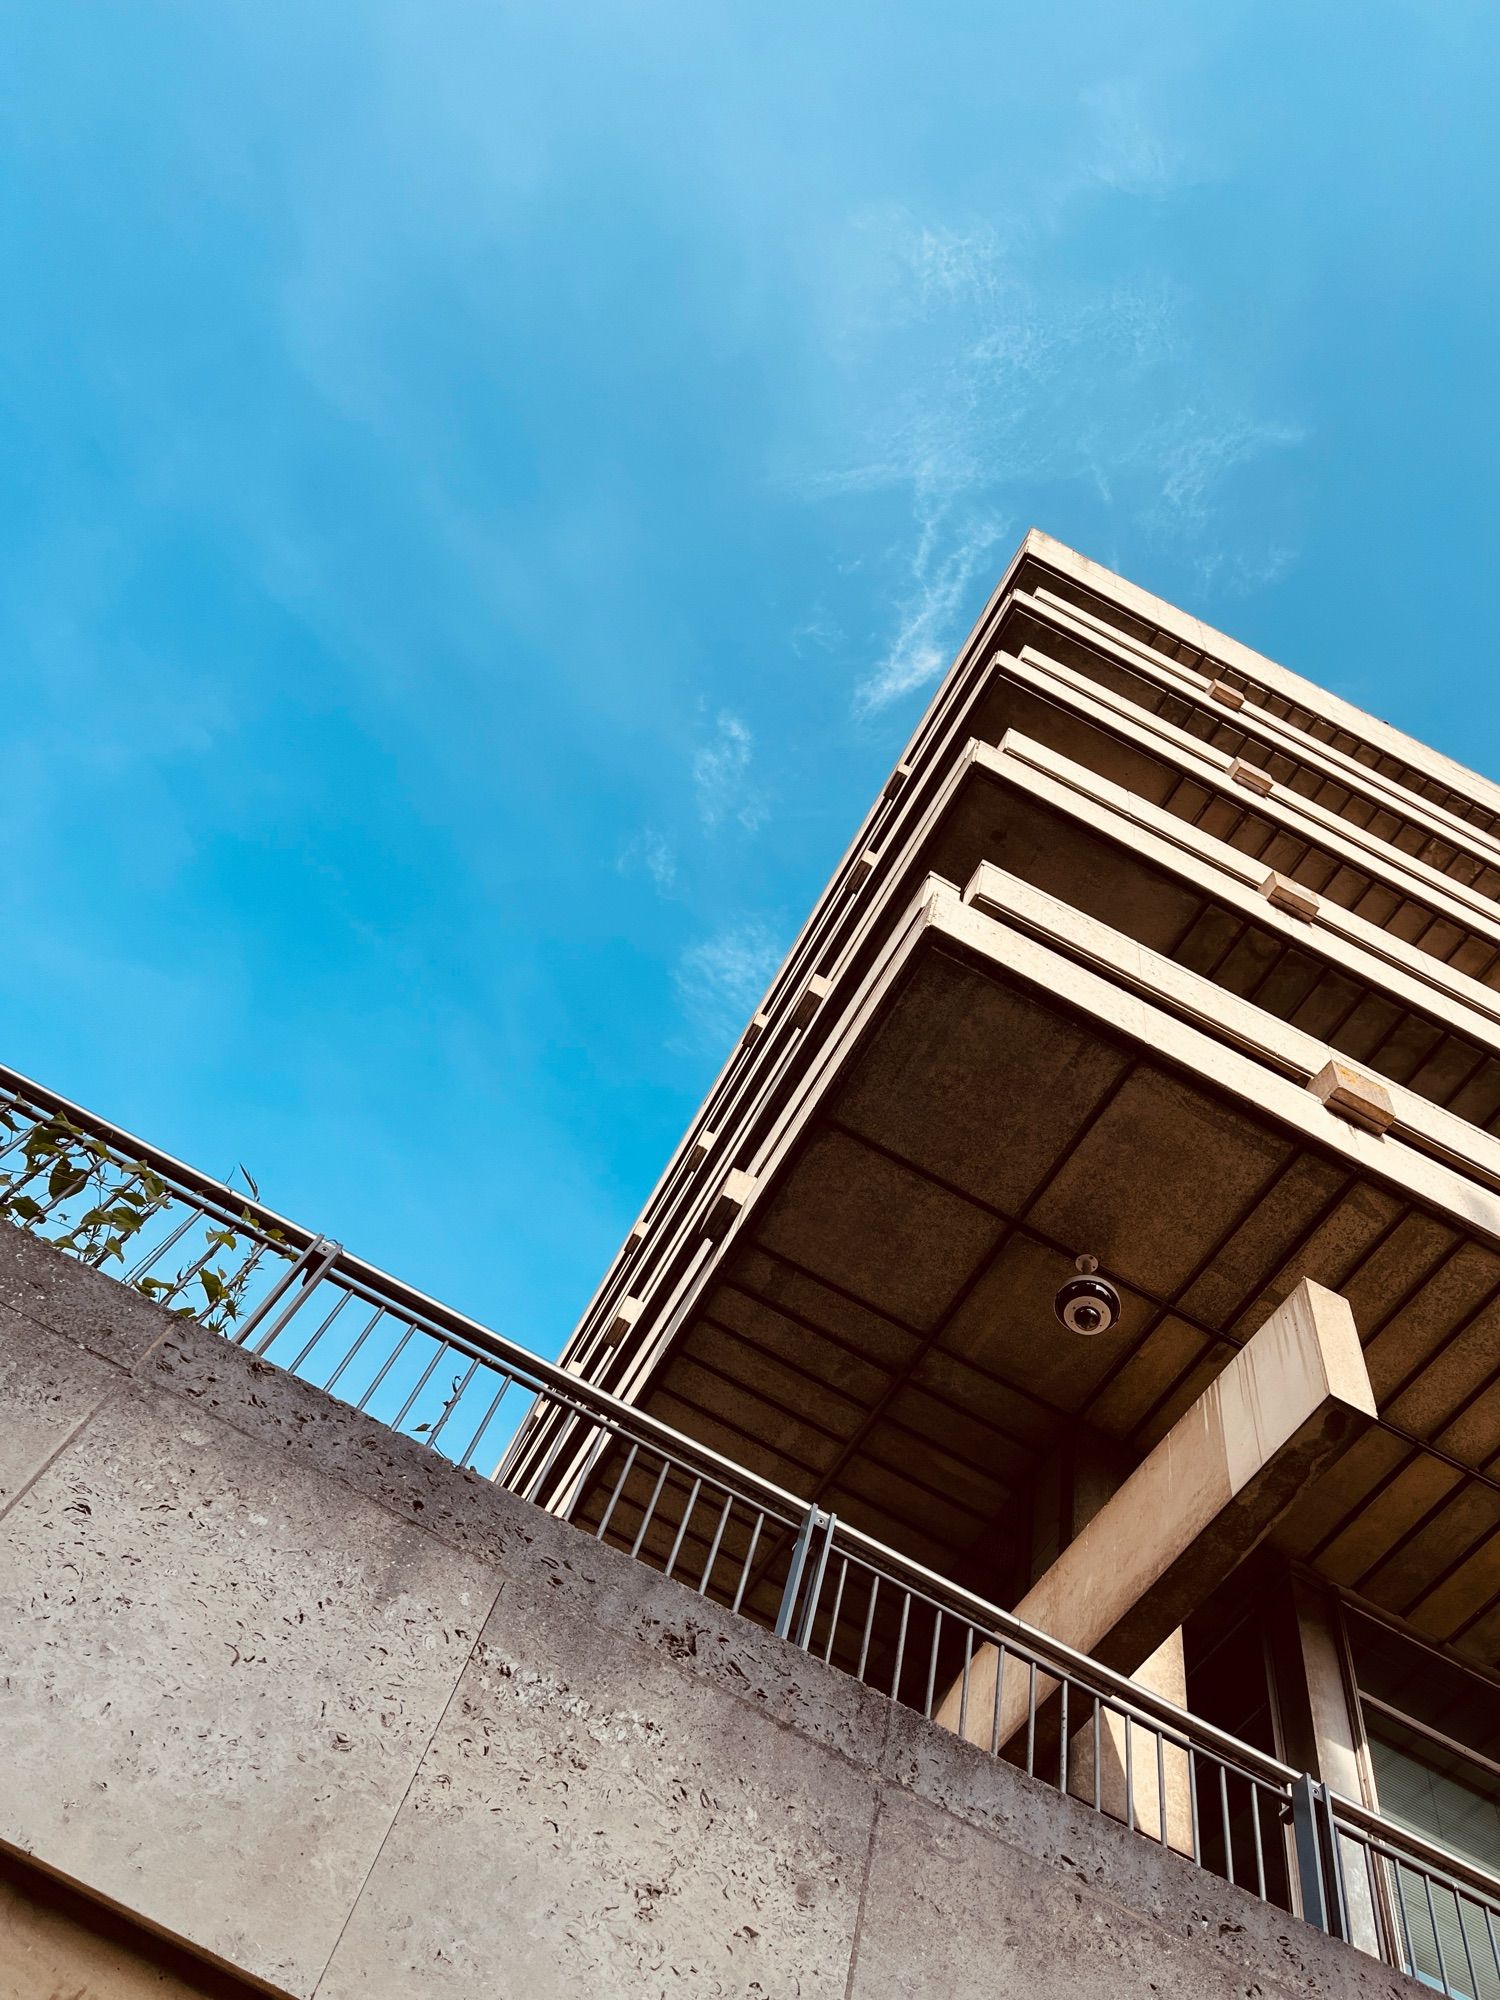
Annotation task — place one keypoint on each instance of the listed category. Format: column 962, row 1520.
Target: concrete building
column 1151, row 952
column 1131, row 1655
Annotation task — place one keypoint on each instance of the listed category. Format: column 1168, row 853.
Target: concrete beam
column 1266, row 734
column 1372, row 1104
column 1222, row 650
column 1126, row 725
column 1294, row 1397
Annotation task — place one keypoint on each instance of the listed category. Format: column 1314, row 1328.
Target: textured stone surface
column 221, row 1672
column 67, row 1298
column 332, row 1440
column 536, row 1551
column 244, row 1695
column 49, row 1387
column 951, row 1911
column 591, row 1820
column 1089, row 1857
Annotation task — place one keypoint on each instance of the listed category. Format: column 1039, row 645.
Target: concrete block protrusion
column 810, row 999
column 1252, row 777
column 864, row 867
column 1229, row 697
column 1282, row 893
column 626, row 1313
column 760, row 1020
column 896, row 782
column 1293, row 1398
column 1348, row 1094
column 731, row 1199
column 702, row 1146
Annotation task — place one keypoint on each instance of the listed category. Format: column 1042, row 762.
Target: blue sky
column 485, row 492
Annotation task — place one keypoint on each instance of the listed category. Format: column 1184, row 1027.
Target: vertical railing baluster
column 838, row 1605
column 1463, row 1938
column 937, row 1633
column 387, row 1365
column 485, row 1421
column 625, row 1471
column 642, row 1530
column 1062, row 1738
column 1437, row 1942
column 713, row 1553
column 455, row 1396
column 1192, row 1784
column 900, row 1646
column 682, row 1526
column 292, row 1367
column 864, row 1644
column 364, row 1333
column 749, row 1562
column 420, row 1384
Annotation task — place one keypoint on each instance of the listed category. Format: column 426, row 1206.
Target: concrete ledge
column 68, row 1298
column 324, row 1709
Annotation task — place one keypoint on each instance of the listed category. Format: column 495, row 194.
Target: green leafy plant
column 69, row 1189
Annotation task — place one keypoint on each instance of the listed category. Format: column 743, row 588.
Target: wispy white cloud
column 721, row 776
column 1200, row 448
column 1130, row 153
column 1237, row 572
column 720, row 978
column 984, row 367
column 654, row 853
column 942, row 571
column 818, row 633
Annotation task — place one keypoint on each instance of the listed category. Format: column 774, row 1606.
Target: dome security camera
column 1087, row 1304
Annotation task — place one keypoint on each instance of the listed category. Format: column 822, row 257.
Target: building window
column 1432, row 1732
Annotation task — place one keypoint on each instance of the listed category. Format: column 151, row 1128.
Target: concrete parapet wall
column 297, row 1694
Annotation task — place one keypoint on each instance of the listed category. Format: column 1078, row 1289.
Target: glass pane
column 1436, row 1793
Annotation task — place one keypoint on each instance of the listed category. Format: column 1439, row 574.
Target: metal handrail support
column 1320, row 1882
column 307, row 1267
column 791, row 1590
column 824, row 1531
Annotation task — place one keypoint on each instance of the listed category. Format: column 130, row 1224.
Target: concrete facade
column 1230, row 1025
column 285, row 1691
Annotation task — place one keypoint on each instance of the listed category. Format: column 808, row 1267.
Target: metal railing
column 209, row 1253
column 1397, row 1896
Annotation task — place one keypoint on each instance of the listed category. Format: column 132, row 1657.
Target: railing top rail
column 177, row 1172
column 378, row 1286
column 1400, row 1842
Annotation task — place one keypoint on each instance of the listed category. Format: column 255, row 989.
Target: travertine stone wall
column 296, row 1693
